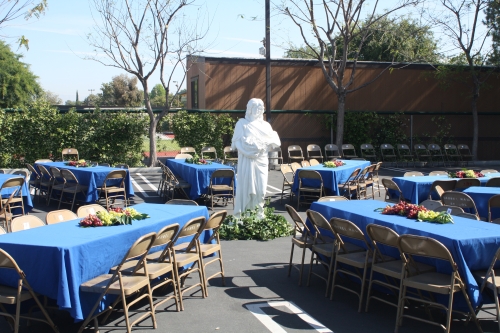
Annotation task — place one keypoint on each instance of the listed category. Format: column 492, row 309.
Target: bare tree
column 143, row 38
column 335, row 32
column 460, row 23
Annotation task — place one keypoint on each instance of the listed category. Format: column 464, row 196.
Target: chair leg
column 310, row 268
column 302, row 265
column 290, row 263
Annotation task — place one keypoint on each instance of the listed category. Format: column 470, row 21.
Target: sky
column 58, row 41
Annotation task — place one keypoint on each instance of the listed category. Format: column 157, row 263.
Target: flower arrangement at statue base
column 115, row 216
column 464, row 173
column 420, row 213
column 76, row 164
column 333, row 164
column 197, row 160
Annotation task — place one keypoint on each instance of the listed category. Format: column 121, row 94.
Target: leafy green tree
column 388, row 40
column 121, row 91
column 51, row 97
column 157, row 95
column 493, row 22
column 18, row 85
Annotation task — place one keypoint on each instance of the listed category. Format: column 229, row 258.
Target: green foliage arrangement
column 40, row 131
column 199, row 130
column 251, row 227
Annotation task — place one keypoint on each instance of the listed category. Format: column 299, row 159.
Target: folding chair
column 389, row 184
column 438, row 173
column 188, row 150
column 432, row 282
column 314, row 151
column 124, row 282
column 313, row 162
column 295, row 153
column 113, row 188
column 182, row 156
column 122, row 166
column 332, row 152
column 452, row 153
column 16, row 202
column 15, row 296
column 405, row 154
column 25, row 222
column 210, row 151
column 58, row 216
column 459, row 199
column 305, row 163
column 351, row 151
column 493, row 202
column 302, row 238
column 436, row 153
column 309, row 191
column 445, row 185
column 34, row 179
column 6, row 217
column 333, row 198
column 45, row 182
column 57, row 184
column 431, row 204
column 223, row 191
column 413, row 174
column 375, row 177
column 422, row 153
column 286, row 170
column 230, row 154
column 71, row 186
column 351, row 184
column 465, row 153
column 84, row 211
column 490, row 279
column 368, row 152
column 387, row 152
column 464, row 183
column 69, row 152
column 295, row 166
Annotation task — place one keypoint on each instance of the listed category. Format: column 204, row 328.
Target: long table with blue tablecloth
column 58, row 258
column 416, row 189
column 471, row 243
column 197, row 175
column 93, row 177
column 6, row 192
column 481, row 195
column 332, row 177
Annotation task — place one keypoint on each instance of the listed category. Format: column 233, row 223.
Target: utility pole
column 91, row 90
column 268, row 61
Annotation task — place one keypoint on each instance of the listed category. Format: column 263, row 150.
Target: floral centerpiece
column 197, row 160
column 333, row 164
column 420, row 213
column 464, row 173
column 115, row 216
column 79, row 163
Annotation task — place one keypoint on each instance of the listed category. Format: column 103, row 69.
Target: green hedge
column 40, row 131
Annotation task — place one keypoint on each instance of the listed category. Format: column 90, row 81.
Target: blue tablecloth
column 481, row 195
column 58, row 258
column 416, row 189
column 196, row 175
column 93, row 177
column 28, row 204
column 471, row 243
column 332, row 177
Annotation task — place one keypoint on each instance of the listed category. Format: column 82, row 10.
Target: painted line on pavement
column 140, row 189
column 154, row 188
column 274, row 188
column 271, row 325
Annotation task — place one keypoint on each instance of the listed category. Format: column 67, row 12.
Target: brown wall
column 300, row 85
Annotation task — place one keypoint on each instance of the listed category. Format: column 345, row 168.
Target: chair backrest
column 121, row 166
column 114, row 175
column 305, row 163
column 104, row 164
column 313, row 162
column 58, row 216
column 286, row 169
column 56, row 174
column 24, row 173
column 84, row 211
column 413, row 174
column 276, row 150
column 17, row 182
column 33, row 171
column 382, row 235
column 182, row 156
column 228, row 152
column 69, row 151
column 300, row 225
column 2, row 171
column 181, row 202
column 187, row 150
column 467, row 182
column 295, row 150
column 6, row 205
column 434, row 147
column 431, row 204
column 69, row 177
column 333, row 198
column 314, row 151
column 403, row 148
column 7, row 262
column 493, row 202
column 223, row 173
column 209, row 151
column 348, row 229
column 469, row 216
column 484, row 172
column 348, row 146
column 165, row 238
column 25, row 222
column 438, row 173
column 353, row 177
column 454, row 210
column 44, row 173
column 367, row 146
column 464, row 149
column 387, row 149
column 330, row 150
column 309, row 174
column 420, row 148
column 295, row 166
column 139, row 249
column 389, row 184
column 425, row 247
column 192, row 228
column 319, row 224
column 215, row 220
column 444, row 185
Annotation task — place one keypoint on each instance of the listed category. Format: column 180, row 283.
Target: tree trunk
column 475, row 119
column 152, row 141
column 340, row 119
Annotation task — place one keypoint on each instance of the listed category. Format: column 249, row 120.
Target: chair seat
column 310, row 189
column 113, row 189
column 325, row 249
column 75, row 188
column 302, row 241
column 155, row 269
column 355, row 259
column 8, row 295
column 183, row 259
column 393, row 268
column 481, row 275
column 221, row 188
column 208, row 249
column 433, row 282
column 130, row 284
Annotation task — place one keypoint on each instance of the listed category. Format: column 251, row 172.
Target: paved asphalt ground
column 258, row 295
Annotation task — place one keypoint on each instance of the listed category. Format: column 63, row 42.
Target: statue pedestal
column 273, row 160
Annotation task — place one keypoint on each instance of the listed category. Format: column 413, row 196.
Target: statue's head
column 255, row 109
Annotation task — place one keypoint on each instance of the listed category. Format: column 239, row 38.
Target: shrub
column 251, row 227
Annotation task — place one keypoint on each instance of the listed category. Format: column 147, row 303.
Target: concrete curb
column 145, row 170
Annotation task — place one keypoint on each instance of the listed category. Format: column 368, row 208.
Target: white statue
column 253, row 138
